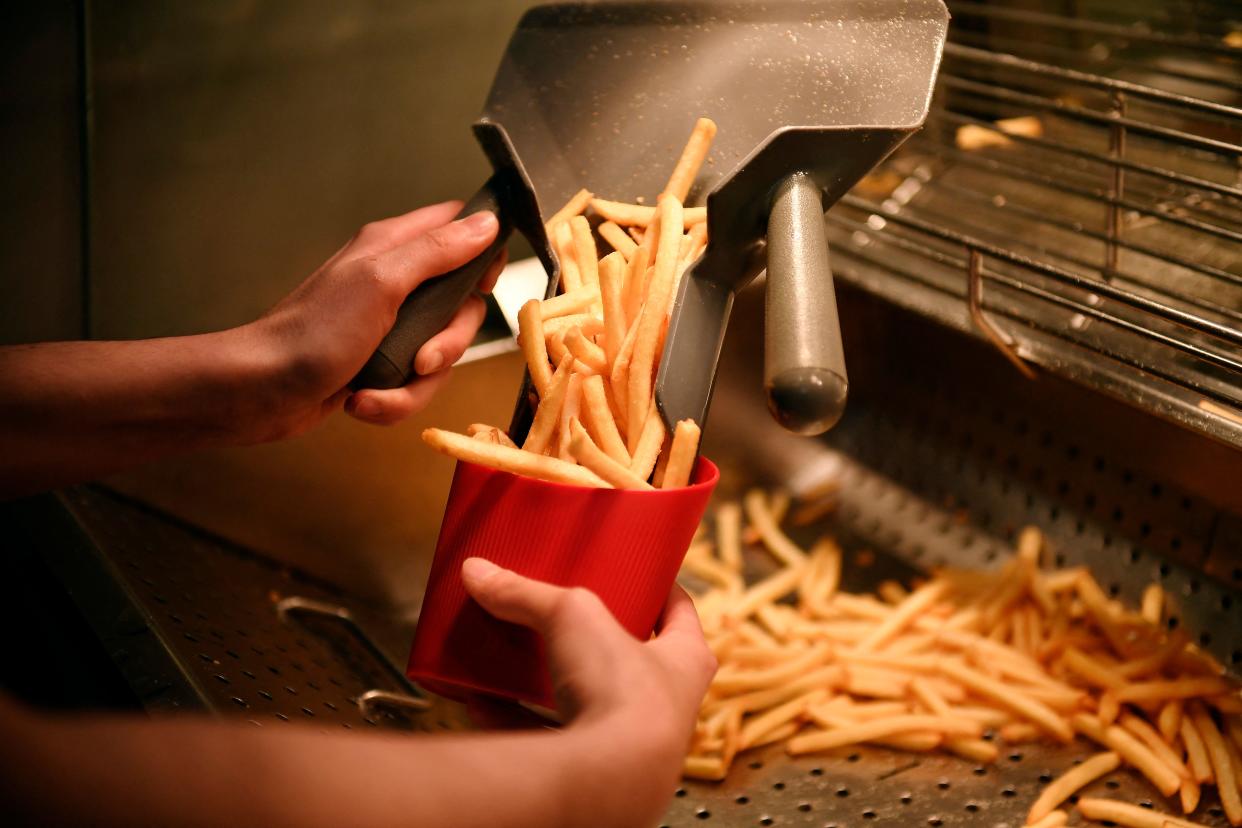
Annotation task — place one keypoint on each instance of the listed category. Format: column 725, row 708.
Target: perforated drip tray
column 194, row 622
column 930, row 478
column 874, row 786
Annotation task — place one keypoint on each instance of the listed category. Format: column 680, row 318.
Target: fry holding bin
column 625, row 546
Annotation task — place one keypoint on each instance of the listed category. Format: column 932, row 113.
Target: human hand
column 641, row 696
column 322, row 333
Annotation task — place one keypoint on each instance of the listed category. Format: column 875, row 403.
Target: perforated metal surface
column 214, row 608
column 932, row 473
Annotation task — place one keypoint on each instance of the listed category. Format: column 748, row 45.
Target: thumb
column 510, row 596
column 440, row 250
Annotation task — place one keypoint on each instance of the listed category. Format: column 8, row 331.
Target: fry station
column 990, row 574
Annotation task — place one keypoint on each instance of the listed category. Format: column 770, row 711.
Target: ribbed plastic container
column 625, row 546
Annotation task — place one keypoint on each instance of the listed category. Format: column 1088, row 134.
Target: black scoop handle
column 431, row 306
column 804, row 362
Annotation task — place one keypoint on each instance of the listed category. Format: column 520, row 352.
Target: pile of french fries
column 593, row 350
column 1015, row 655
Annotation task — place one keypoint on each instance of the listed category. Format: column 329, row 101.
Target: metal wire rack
column 1103, row 243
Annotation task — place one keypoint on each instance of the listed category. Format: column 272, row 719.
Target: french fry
column 490, row 434
column 618, row 380
column 685, row 448
column 632, row 296
column 1235, row 765
column 589, row 324
column 650, row 441
column 486, row 436
column 1131, row 816
column 651, row 319
column 1053, row 820
column 779, row 734
column 563, row 244
column 733, row 683
column 599, row 421
column 566, row 304
column 1071, row 782
column 571, row 408
column 1160, row 691
column 710, row 768
column 1132, row 750
column 1169, row 722
column 877, row 683
column 728, row 535
column 539, row 437
column 611, row 284
column 584, row 250
column 1152, row 608
column 1017, row 700
column 687, row 168
column 576, row 204
column 762, row 725
column 1156, row 661
column 903, row 614
column 509, row 459
column 976, row 750
column 1091, row 670
column 1222, row 765
column 698, row 242
column 1196, row 752
column 1016, row 733
column 769, row 589
column 1189, row 795
column 586, row 351
column 1146, row 734
column 621, row 242
column 776, row 541
column 818, row 741
column 593, row 458
column 636, row 214
column 763, row 699
column 1108, row 710
column 530, row 327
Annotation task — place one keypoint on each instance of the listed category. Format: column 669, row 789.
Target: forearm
column 200, row 772
column 72, row 411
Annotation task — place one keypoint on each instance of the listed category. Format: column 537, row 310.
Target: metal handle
column 431, row 306
column 804, row 362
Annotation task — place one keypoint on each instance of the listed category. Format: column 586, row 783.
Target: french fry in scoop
column 603, row 333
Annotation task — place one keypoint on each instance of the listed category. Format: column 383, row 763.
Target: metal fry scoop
column 808, row 97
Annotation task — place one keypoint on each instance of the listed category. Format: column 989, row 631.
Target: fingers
column 391, row 405
column 510, row 596
column 680, row 636
column 446, row 347
column 679, row 615
column 381, row 236
column 437, row 251
column 488, row 282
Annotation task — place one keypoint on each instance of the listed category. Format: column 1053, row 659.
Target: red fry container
column 625, row 546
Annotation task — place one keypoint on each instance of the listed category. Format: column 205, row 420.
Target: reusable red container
column 625, row 546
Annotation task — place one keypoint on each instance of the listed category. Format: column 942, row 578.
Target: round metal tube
column 804, row 362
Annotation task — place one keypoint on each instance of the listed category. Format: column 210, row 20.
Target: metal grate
column 930, row 475
column 1109, row 247
column 249, row 637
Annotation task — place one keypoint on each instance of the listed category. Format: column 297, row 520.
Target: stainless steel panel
column 238, row 144
column 41, row 122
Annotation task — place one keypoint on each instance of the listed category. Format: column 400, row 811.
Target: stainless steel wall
column 41, row 279
column 237, row 143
